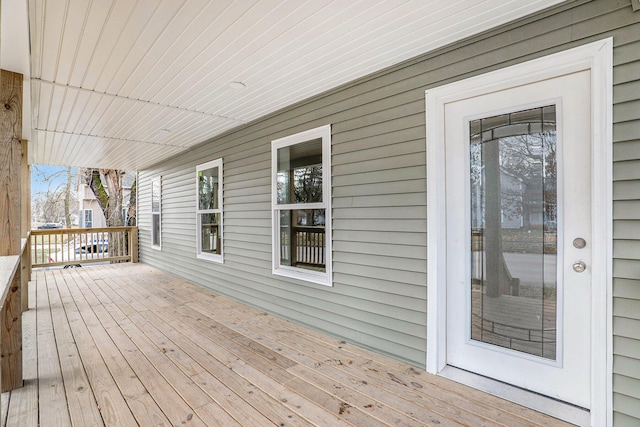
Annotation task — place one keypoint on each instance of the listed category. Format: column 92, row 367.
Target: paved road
column 531, row 268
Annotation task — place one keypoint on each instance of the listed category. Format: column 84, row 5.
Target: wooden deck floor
column 128, row 345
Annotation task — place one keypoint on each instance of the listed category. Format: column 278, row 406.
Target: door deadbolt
column 579, row 243
column 579, row 266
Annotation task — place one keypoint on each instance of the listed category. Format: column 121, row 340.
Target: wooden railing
column 71, row 247
column 307, row 246
column 14, row 276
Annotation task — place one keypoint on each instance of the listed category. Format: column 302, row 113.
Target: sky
column 39, row 173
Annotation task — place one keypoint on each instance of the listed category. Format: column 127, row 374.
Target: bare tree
column 49, row 205
column 67, row 198
column 55, row 204
column 132, row 210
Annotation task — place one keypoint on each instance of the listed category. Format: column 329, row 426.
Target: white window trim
column 598, row 58
column 158, row 213
column 199, row 254
column 322, row 278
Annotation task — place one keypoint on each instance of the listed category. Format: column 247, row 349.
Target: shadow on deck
column 127, row 345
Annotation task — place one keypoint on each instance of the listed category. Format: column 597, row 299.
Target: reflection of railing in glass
column 305, row 250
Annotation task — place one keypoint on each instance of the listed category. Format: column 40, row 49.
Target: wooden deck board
column 126, row 345
column 271, row 392
column 256, row 355
column 174, row 407
column 22, row 404
column 50, row 382
column 143, row 408
column 83, row 408
column 111, row 404
column 435, row 409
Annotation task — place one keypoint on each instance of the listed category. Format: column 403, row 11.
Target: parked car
column 93, row 248
column 75, row 253
column 49, row 226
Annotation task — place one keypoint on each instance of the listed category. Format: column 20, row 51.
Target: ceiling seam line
column 106, row 137
column 82, row 89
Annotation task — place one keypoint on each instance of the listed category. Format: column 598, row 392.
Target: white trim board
column 597, row 57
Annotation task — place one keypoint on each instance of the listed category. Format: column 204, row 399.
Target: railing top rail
column 80, row 230
column 310, row 228
column 8, row 267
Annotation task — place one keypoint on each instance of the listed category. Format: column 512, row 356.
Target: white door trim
column 598, row 58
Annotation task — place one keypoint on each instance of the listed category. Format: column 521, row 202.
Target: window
column 301, row 201
column 209, row 210
column 156, row 227
column 87, row 218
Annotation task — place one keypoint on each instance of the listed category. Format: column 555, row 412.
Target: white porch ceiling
column 126, row 84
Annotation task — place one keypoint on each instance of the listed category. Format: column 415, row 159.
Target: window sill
column 305, row 275
column 210, row 257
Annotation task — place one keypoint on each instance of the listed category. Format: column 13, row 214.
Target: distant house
column 90, row 214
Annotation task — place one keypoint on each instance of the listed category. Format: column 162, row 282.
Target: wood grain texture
column 25, row 223
column 10, row 161
column 127, row 344
column 51, row 387
column 80, row 399
column 10, row 224
column 23, row 402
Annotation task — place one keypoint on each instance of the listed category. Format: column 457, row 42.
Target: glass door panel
column 514, row 210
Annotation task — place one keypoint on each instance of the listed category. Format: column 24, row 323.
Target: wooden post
column 493, row 221
column 25, row 196
column 133, row 244
column 10, row 228
column 25, row 266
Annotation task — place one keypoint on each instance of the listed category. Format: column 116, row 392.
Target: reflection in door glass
column 514, row 230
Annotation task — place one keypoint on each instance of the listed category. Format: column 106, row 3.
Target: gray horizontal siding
column 379, row 193
column 626, row 208
column 626, row 190
column 622, row 420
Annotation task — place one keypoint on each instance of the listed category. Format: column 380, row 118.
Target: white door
column 518, row 241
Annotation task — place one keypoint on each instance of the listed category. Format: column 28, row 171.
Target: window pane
column 514, row 231
column 302, row 239
column 155, row 196
column 300, row 173
column 155, row 230
column 208, row 189
column 88, row 218
column 210, row 233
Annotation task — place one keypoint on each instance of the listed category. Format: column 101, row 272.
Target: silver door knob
column 579, row 266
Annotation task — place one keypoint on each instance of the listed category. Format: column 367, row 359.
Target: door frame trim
column 597, row 57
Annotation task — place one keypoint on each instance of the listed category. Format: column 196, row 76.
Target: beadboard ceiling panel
column 129, row 83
